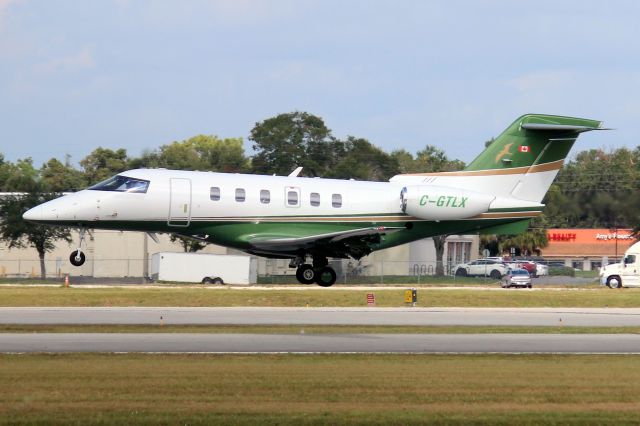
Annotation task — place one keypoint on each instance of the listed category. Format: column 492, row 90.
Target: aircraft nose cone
column 33, row 214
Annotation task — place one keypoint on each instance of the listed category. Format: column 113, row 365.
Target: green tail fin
column 533, row 139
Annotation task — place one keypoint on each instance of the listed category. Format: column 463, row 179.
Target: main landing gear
column 320, row 272
column 77, row 257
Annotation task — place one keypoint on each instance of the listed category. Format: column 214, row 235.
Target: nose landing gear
column 77, row 257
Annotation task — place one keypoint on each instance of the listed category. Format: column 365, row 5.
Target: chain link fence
column 270, row 271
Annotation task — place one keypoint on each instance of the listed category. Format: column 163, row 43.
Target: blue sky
column 76, row 75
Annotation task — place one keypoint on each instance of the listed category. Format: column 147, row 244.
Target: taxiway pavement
column 580, row 317
column 320, row 343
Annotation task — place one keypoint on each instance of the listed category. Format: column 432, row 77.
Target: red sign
column 523, row 148
column 371, row 299
column 561, row 236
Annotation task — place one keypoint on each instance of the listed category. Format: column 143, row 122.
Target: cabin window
column 265, row 196
column 336, row 200
column 315, row 199
column 292, row 198
column 240, row 195
column 214, row 193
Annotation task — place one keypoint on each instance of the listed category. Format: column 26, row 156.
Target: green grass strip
column 133, row 389
column 427, row 297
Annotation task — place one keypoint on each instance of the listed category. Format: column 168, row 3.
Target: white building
column 126, row 254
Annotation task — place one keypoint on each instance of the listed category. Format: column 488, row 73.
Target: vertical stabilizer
column 532, row 150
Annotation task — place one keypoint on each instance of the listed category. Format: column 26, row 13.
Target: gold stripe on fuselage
column 369, row 219
column 546, row 167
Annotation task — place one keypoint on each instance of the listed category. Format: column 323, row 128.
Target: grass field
column 319, row 389
column 427, row 297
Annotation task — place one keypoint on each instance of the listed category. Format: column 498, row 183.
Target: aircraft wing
column 350, row 242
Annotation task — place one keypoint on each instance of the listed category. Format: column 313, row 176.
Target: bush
column 562, row 270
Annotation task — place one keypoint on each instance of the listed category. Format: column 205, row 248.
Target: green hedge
column 562, row 270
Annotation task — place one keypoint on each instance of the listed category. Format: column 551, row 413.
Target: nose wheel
column 77, row 258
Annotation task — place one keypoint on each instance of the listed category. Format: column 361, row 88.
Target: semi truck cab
column 624, row 274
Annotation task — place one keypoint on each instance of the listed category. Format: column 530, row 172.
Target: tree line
column 596, row 189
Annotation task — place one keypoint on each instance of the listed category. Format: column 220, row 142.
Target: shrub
column 562, row 270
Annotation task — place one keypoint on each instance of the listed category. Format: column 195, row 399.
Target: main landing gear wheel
column 305, row 274
column 77, row 258
column 326, row 277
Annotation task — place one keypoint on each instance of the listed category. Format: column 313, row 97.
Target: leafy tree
column 428, row 160
column 527, row 243
column 596, row 190
column 103, row 163
column 405, row 161
column 202, row 152
column 438, row 243
column 19, row 233
column 4, row 170
column 362, row 160
column 58, row 177
column 290, row 140
column 19, row 177
column 432, row 159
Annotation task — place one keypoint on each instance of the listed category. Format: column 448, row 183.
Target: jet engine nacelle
column 442, row 203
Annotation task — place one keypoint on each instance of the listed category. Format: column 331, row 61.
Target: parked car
column 542, row 269
column 517, row 278
column 530, row 267
column 482, row 267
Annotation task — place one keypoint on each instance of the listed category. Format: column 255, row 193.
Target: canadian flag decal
column 523, row 148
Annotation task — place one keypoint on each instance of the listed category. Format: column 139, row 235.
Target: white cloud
column 305, row 73
column 205, row 12
column 542, row 80
column 81, row 60
column 4, row 6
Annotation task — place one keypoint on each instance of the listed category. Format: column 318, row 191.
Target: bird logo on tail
column 505, row 151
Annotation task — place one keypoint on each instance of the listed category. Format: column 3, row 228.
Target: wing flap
column 289, row 242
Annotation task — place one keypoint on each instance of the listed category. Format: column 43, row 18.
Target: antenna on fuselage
column 296, row 172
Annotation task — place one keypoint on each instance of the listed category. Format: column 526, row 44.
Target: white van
column 625, row 274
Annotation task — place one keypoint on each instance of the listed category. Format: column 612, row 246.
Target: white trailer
column 203, row 268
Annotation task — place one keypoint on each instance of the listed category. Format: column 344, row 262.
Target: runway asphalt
column 594, row 317
column 320, row 343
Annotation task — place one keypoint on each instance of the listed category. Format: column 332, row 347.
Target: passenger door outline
column 179, row 202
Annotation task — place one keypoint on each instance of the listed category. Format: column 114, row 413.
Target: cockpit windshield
column 121, row 183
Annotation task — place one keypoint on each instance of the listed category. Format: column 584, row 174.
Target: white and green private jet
column 309, row 220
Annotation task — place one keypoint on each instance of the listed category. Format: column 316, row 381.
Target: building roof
column 587, row 242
